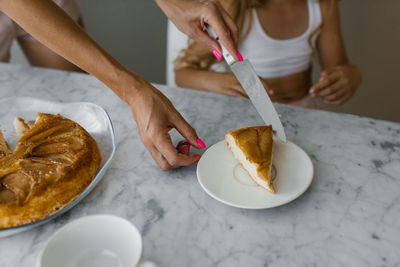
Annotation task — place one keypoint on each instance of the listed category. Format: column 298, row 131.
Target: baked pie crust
column 53, row 163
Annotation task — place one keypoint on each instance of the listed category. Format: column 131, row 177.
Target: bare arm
column 49, row 24
column 217, row 82
column 330, row 44
column 41, row 56
column 154, row 113
column 340, row 79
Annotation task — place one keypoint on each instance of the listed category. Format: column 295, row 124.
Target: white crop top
column 273, row 58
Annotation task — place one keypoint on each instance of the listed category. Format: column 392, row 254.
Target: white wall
column 134, row 32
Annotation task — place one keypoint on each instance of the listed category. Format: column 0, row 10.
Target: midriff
column 290, row 88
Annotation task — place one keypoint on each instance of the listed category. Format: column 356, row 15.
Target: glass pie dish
column 90, row 116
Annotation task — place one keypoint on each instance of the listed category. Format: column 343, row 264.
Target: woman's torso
column 280, row 46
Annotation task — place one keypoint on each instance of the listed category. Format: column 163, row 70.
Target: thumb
column 187, row 131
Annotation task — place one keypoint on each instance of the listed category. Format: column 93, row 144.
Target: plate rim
column 257, row 207
column 99, row 175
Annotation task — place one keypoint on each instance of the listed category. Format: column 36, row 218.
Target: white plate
column 223, row 178
column 90, row 116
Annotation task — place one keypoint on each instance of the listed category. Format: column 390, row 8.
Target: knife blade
column 251, row 83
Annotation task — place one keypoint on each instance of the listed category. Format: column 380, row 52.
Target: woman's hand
column 337, row 84
column 155, row 117
column 192, row 16
column 226, row 83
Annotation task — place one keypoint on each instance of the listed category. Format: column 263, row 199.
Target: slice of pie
column 53, row 163
column 253, row 147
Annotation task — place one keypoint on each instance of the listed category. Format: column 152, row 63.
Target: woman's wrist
column 126, row 84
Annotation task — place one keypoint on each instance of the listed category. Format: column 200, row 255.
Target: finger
column 324, row 82
column 336, row 95
column 340, row 101
column 217, row 23
column 233, row 29
column 331, row 89
column 185, row 129
column 327, row 72
column 159, row 159
column 232, row 92
column 236, row 90
column 202, row 37
column 183, row 147
column 165, row 147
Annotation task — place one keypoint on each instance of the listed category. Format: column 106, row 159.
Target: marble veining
column 348, row 217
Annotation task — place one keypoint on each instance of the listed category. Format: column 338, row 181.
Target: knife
column 251, row 83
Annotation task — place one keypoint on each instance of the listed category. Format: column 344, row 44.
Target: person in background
column 36, row 53
column 279, row 38
column 154, row 113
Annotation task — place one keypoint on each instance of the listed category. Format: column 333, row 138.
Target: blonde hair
column 238, row 10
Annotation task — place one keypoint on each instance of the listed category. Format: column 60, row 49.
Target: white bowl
column 94, row 241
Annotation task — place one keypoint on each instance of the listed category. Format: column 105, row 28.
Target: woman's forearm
column 205, row 80
column 49, row 24
column 197, row 79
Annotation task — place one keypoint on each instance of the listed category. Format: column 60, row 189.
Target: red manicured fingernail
column 188, row 148
column 197, row 161
column 217, row 54
column 239, row 56
column 201, row 143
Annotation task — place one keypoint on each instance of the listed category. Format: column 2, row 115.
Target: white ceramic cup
column 95, row 241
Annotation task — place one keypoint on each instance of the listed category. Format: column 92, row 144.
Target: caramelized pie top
column 52, row 164
column 257, row 144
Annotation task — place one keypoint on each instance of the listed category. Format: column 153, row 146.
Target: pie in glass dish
column 53, row 163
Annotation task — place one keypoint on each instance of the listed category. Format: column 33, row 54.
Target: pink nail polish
column 217, row 54
column 271, row 92
column 239, row 56
column 201, row 143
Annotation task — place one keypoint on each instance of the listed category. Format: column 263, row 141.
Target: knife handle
column 228, row 57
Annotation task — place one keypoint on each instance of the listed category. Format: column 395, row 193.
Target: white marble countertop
column 349, row 216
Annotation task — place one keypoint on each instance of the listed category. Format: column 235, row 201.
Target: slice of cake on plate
column 253, row 148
